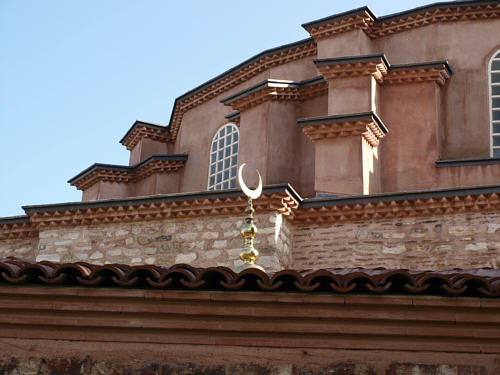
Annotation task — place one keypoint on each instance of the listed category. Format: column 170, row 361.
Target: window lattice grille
column 495, row 104
column 223, row 158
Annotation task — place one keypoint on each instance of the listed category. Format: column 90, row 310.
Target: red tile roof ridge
column 480, row 282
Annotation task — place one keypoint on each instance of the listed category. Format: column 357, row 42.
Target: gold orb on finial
column 249, row 254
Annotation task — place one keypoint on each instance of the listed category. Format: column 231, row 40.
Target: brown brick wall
column 462, row 241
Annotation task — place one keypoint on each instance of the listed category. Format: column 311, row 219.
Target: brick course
column 461, row 241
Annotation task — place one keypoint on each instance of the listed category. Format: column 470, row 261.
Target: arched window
column 495, row 104
column 223, row 158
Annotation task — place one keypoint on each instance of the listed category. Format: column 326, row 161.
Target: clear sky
column 75, row 75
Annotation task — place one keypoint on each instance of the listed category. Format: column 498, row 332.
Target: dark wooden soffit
column 483, row 282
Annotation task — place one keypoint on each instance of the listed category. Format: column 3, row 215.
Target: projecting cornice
column 142, row 129
column 382, row 71
column 360, row 18
column 366, row 124
column 435, row 203
column 436, row 71
column 237, row 75
column 120, row 173
column 17, row 227
column 377, row 27
column 280, row 198
column 273, row 89
column 234, row 117
column 353, row 66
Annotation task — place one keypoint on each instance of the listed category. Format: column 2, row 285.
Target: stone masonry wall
column 461, row 241
column 20, row 248
column 201, row 242
column 86, row 366
column 444, row 242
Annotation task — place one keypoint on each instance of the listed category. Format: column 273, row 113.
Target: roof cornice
column 382, row 71
column 366, row 124
column 377, row 27
column 142, row 129
column 328, row 211
column 237, row 75
column 121, row 173
column 234, row 117
column 273, row 89
column 16, row 227
column 363, row 18
column 281, row 198
column 360, row 18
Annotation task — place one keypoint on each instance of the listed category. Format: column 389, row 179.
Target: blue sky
column 75, row 75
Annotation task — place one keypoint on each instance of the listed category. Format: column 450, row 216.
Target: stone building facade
column 365, row 111
column 378, row 141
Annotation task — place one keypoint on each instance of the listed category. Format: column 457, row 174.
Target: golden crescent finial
column 254, row 194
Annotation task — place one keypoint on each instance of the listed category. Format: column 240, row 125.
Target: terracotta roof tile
column 482, row 282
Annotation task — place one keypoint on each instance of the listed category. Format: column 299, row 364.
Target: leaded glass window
column 223, row 158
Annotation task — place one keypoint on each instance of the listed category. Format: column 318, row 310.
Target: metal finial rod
column 249, row 254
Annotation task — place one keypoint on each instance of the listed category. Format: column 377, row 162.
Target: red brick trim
column 311, row 211
column 378, row 27
column 18, row 230
column 277, row 90
column 382, row 71
column 468, row 12
column 361, row 21
column 243, row 74
column 168, row 209
column 140, row 131
column 355, row 66
column 416, row 73
column 127, row 174
column 367, row 125
column 343, row 211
